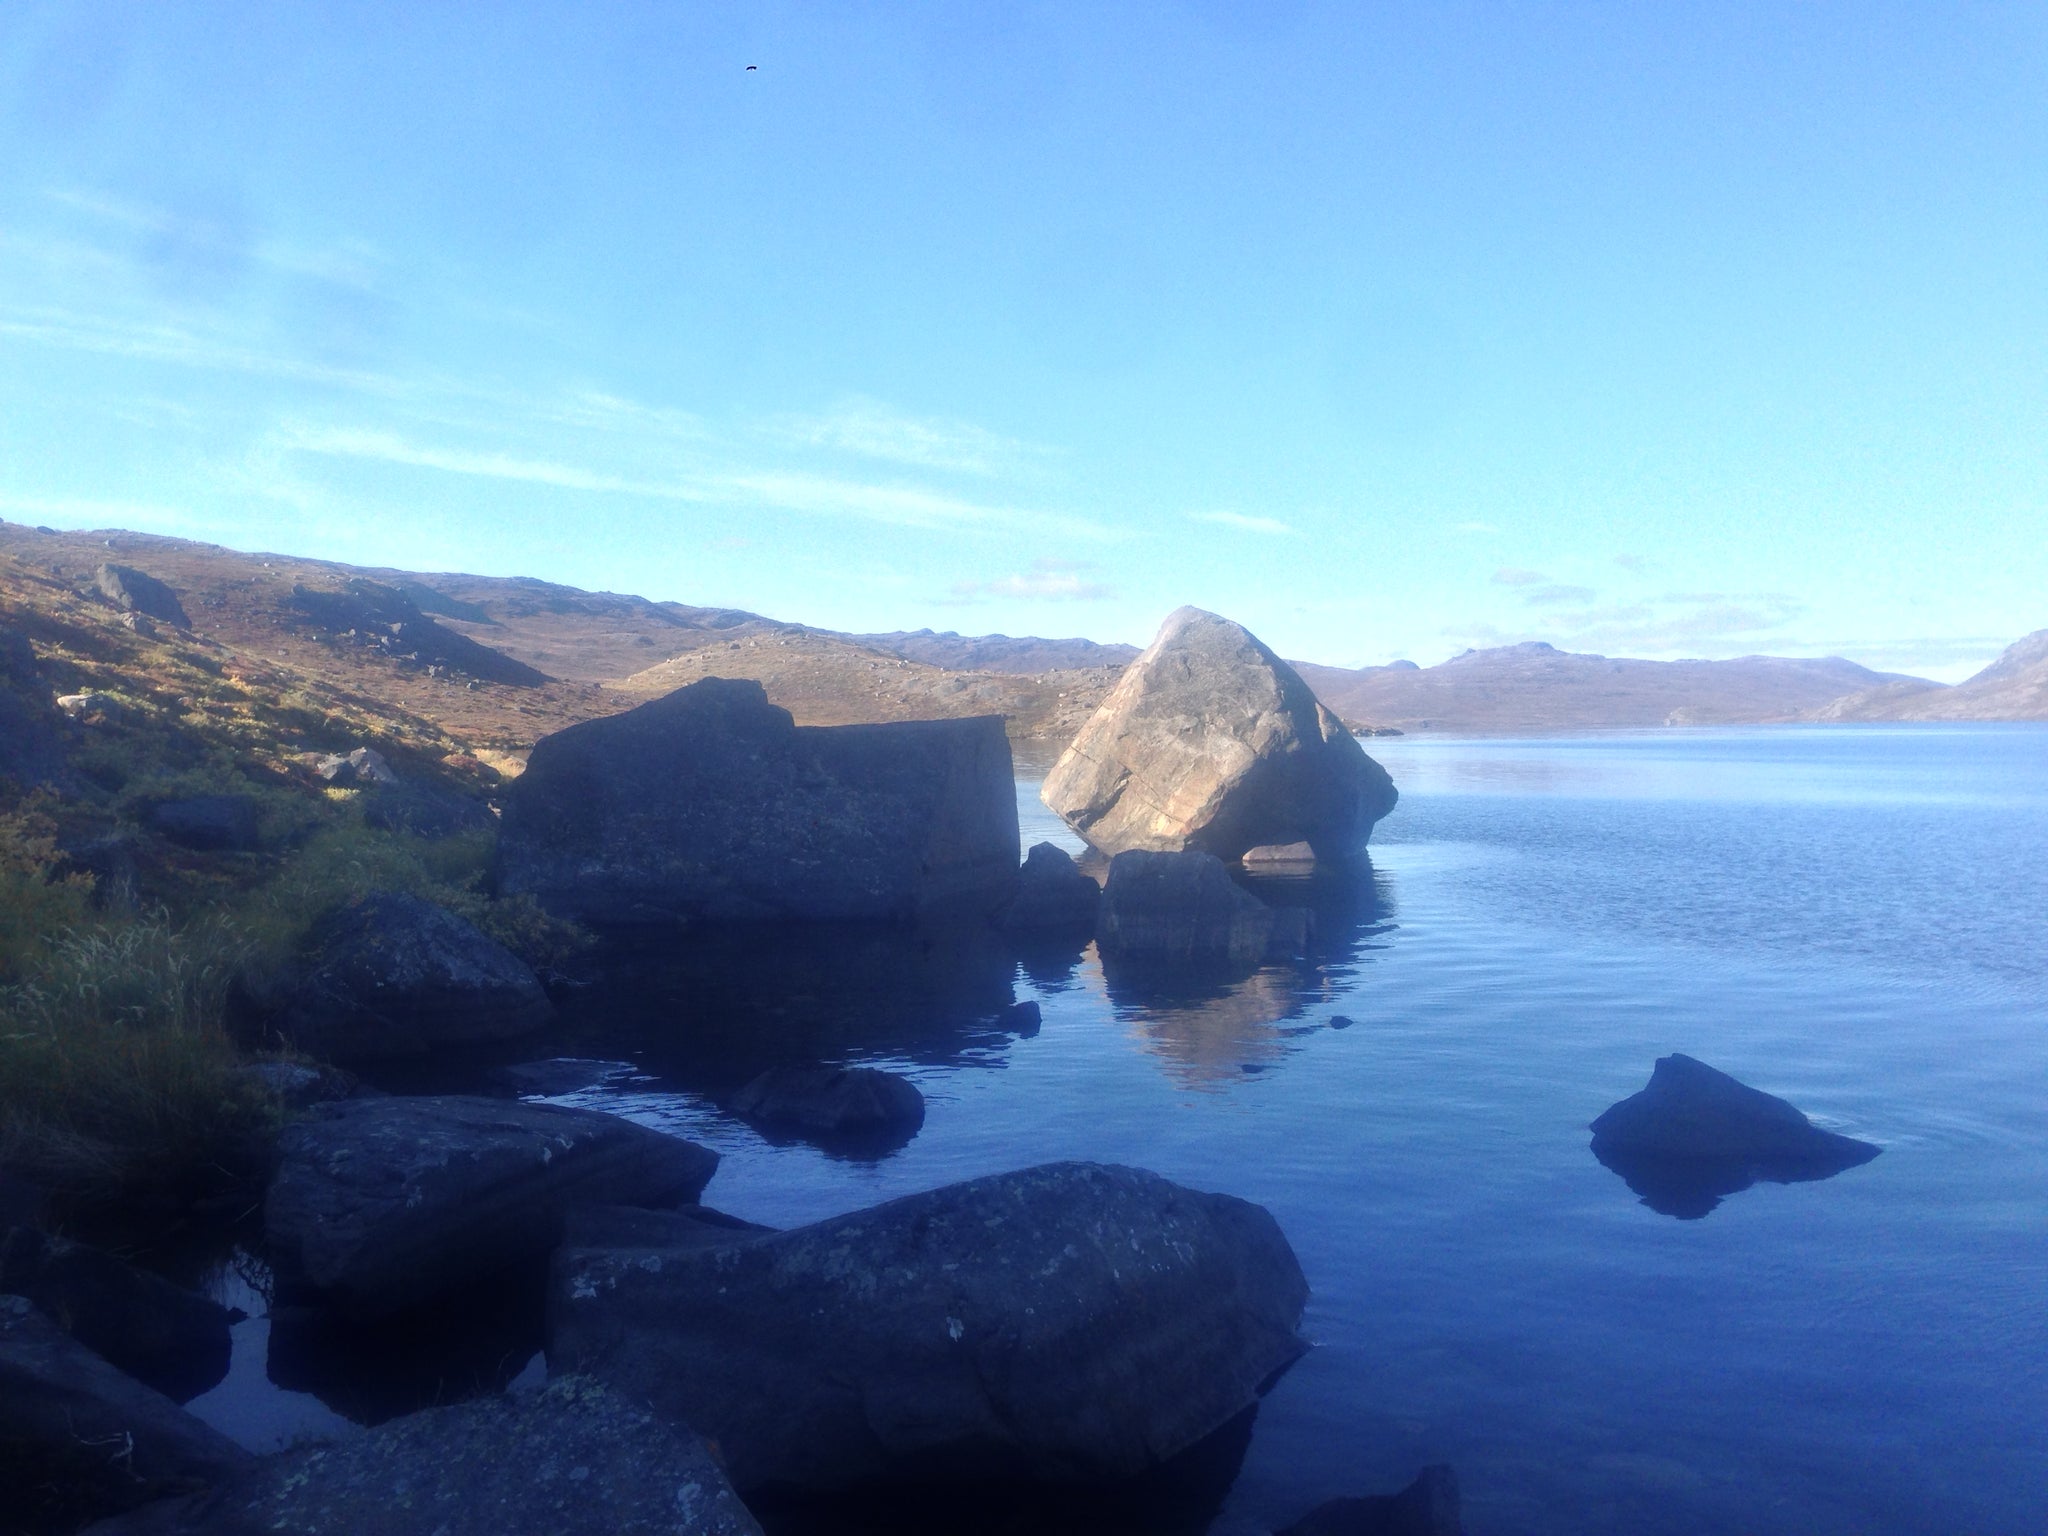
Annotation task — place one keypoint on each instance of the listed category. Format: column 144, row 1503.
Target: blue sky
column 1389, row 330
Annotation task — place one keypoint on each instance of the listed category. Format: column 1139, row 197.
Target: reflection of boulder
column 1183, row 909
column 713, row 803
column 1211, row 742
column 1426, row 1507
column 1069, row 1323
column 1207, row 1032
column 1695, row 1135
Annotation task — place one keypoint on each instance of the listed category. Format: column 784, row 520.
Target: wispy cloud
column 218, row 240
column 1473, row 527
column 1673, row 624
column 875, row 430
column 1046, row 581
column 1244, row 522
column 1558, row 595
column 1514, row 576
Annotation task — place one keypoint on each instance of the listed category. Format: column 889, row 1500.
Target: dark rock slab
column 713, row 803
column 1053, row 895
column 381, row 1204
column 163, row 1335
column 570, row 1460
column 1211, row 742
column 1428, row 1506
column 633, row 1226
column 837, row 1103
column 78, row 1439
column 1695, row 1135
column 139, row 592
column 1069, row 1323
column 1181, row 908
column 31, row 729
column 208, row 823
column 424, row 811
column 392, row 975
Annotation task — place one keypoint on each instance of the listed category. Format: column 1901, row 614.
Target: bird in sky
column 753, row 66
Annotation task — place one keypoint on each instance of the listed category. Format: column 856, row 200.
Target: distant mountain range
column 497, row 662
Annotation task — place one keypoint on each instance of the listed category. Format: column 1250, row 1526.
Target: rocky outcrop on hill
column 713, row 803
column 78, row 1439
column 1695, row 1135
column 382, row 617
column 1211, row 742
column 392, row 975
column 1068, row 1323
column 135, row 591
column 2014, row 687
column 380, row 1204
column 1183, row 908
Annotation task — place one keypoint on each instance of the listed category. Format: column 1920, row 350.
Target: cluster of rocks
column 386, row 619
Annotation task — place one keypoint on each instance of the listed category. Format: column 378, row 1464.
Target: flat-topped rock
column 712, row 803
column 381, row 1204
column 1069, row 1323
column 1210, row 742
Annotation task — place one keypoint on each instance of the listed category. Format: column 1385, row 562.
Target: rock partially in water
column 209, row 823
column 559, row 1075
column 713, row 803
column 570, row 1460
column 163, row 1335
column 833, row 1103
column 78, row 1439
column 1068, row 1323
column 1182, row 908
column 1211, row 742
column 1053, row 895
column 1695, row 1135
column 136, row 591
column 392, row 975
column 1428, row 1506
column 381, row 1204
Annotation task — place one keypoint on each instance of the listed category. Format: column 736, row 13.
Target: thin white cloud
column 171, row 234
column 1558, row 595
column 1243, row 522
column 1046, row 581
column 1514, row 576
column 876, row 430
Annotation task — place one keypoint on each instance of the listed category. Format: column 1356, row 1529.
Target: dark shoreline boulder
column 1694, row 1135
column 1179, row 909
column 833, row 1104
column 1211, row 742
column 381, row 1204
column 1053, row 895
column 1073, row 1323
column 392, row 975
column 711, row 803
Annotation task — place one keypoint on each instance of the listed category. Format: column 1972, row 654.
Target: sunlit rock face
column 1212, row 743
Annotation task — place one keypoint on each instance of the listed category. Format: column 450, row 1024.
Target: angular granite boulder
column 392, row 975
column 135, row 591
column 1211, row 742
column 381, row 1204
column 78, row 1439
column 713, row 803
column 1070, row 1323
column 569, row 1460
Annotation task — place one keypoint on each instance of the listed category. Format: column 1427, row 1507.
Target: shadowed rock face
column 1181, row 909
column 380, row 1204
column 1069, row 1323
column 1695, row 1135
column 1210, row 742
column 136, row 591
column 713, row 803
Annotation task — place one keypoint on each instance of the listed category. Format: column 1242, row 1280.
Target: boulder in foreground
column 381, row 1204
column 392, row 975
column 1054, row 895
column 569, row 1460
column 1695, row 1135
column 1069, row 1323
column 713, row 803
column 1211, row 742
column 78, row 1439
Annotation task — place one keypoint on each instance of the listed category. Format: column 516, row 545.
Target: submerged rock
column 139, row 592
column 833, row 1103
column 1428, row 1506
column 1182, row 908
column 713, row 803
column 163, row 1335
column 570, row 1460
column 1695, row 1135
column 1053, row 895
column 1211, row 742
column 392, row 975
column 1068, row 1323
column 381, row 1204
column 559, row 1075
column 78, row 1439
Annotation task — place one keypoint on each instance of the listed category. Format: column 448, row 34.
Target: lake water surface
column 1852, row 919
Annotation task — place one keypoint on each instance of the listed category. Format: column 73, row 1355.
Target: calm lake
column 1850, row 918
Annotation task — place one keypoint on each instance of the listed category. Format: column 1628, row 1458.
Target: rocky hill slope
column 2014, row 687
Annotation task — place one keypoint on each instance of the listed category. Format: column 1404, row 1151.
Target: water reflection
column 1690, row 1187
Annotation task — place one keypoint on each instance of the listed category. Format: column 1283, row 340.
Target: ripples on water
column 1849, row 918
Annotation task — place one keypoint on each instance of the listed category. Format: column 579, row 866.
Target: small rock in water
column 1428, row 1506
column 833, row 1102
column 1020, row 1018
column 1341, row 1021
column 1695, row 1135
